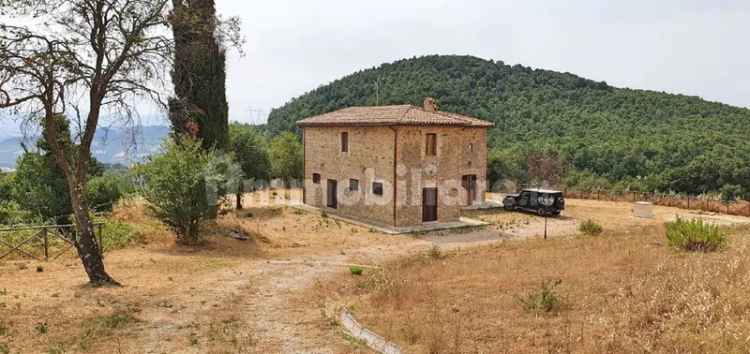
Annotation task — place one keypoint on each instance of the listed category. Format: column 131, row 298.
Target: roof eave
column 391, row 124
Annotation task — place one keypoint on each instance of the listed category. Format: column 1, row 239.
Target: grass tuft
column 544, row 299
column 435, row 252
column 42, row 328
column 695, row 236
column 590, row 228
column 356, row 270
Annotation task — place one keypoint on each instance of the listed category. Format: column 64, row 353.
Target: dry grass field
column 227, row 296
column 623, row 292
column 279, row 292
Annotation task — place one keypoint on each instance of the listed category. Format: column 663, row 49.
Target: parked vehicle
column 543, row 202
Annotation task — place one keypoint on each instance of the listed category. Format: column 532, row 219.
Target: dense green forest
column 591, row 135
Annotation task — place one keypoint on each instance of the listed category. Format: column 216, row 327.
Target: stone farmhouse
column 394, row 166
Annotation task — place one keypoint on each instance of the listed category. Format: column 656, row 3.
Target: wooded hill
column 588, row 133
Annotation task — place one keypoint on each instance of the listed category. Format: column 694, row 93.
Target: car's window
column 524, row 198
column 547, row 199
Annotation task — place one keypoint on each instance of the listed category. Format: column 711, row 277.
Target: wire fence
column 707, row 203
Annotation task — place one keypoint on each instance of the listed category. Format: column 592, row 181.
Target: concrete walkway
column 461, row 223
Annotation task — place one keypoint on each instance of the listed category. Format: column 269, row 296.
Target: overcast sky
column 687, row 46
column 695, row 47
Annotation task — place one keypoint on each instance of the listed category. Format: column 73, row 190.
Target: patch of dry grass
column 171, row 286
column 629, row 293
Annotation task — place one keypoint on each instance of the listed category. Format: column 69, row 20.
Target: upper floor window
column 344, row 142
column 431, row 145
column 316, row 178
column 377, row 188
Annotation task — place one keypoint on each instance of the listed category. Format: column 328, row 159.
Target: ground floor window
column 316, row 178
column 353, row 184
column 377, row 188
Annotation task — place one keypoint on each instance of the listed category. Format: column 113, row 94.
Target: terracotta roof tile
column 391, row 115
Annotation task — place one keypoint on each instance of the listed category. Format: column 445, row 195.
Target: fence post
column 46, row 244
column 688, row 198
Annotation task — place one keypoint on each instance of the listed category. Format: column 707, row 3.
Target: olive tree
column 286, row 154
column 249, row 148
column 99, row 55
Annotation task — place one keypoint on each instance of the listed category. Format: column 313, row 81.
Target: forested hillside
column 589, row 133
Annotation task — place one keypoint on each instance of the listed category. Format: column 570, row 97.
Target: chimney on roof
column 430, row 104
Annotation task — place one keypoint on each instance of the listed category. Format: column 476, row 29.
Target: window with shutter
column 344, row 142
column 431, row 145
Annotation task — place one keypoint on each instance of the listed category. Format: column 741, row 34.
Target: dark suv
column 544, row 202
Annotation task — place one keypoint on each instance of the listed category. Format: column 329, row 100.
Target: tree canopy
column 642, row 139
column 286, row 155
column 200, row 107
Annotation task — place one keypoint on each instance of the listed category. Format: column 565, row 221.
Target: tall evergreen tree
column 40, row 186
column 200, row 107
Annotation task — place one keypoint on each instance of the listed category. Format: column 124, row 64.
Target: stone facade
column 395, row 156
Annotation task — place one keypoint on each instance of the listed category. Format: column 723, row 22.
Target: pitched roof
column 391, row 115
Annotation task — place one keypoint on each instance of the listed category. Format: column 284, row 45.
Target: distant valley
column 111, row 146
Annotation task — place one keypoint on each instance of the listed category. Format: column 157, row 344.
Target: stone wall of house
column 369, row 159
column 460, row 151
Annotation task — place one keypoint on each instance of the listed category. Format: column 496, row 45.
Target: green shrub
column 544, row 299
column 183, row 185
column 591, row 228
column 6, row 185
column 104, row 191
column 356, row 270
column 40, row 187
column 695, row 235
column 117, row 235
column 12, row 214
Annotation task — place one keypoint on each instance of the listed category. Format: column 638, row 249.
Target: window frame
column 431, row 145
column 344, row 142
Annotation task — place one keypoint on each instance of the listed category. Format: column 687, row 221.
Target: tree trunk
column 89, row 250
column 239, row 197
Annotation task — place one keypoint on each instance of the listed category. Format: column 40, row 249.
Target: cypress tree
column 200, row 107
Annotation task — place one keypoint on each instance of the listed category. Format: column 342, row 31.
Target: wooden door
column 469, row 183
column 429, row 204
column 332, row 200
